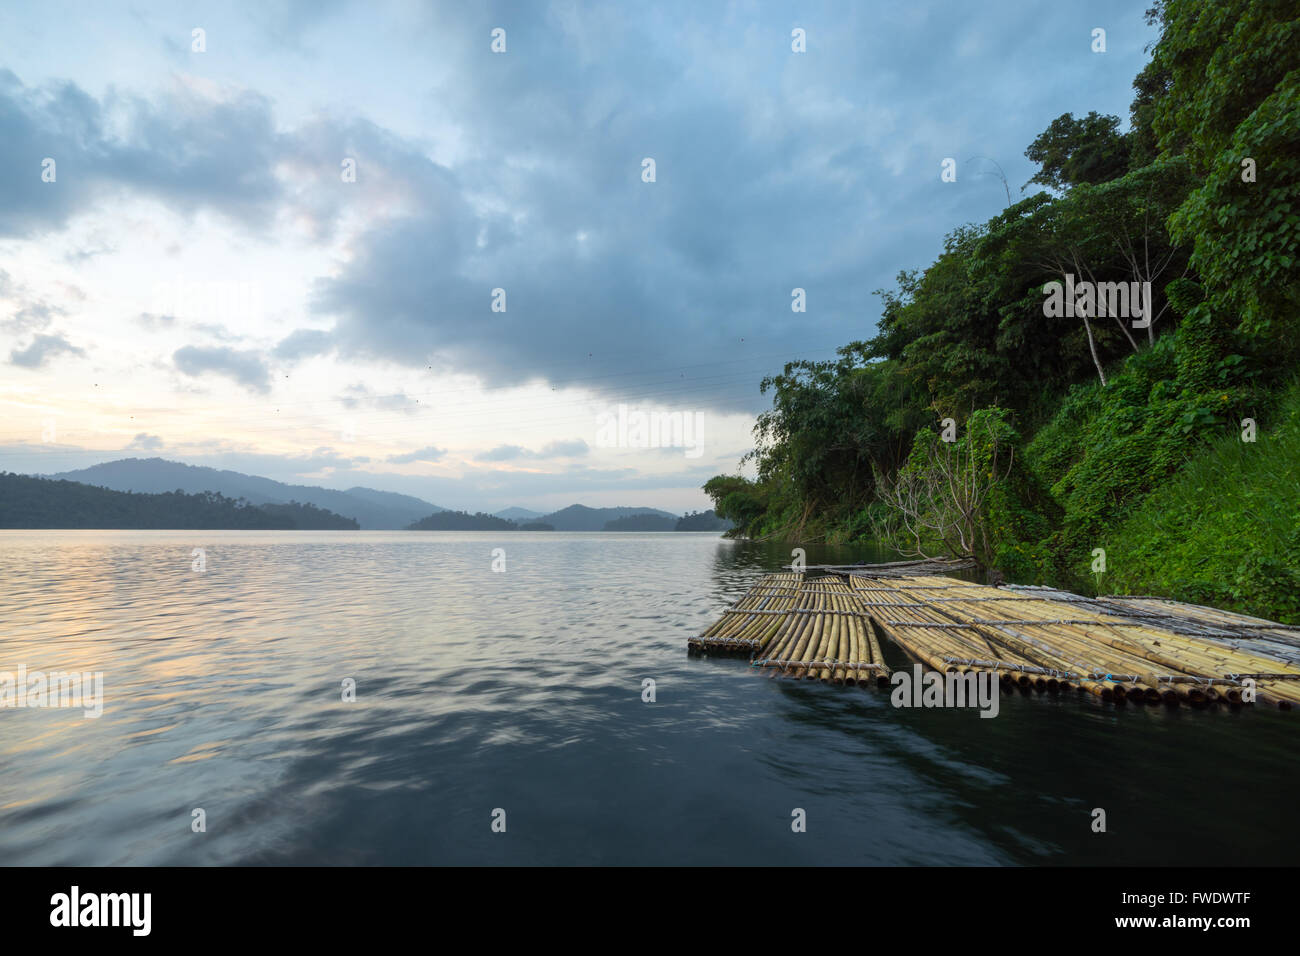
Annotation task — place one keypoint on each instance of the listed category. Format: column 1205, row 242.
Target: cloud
column 359, row 396
column 187, row 150
column 303, row 343
column 612, row 282
column 502, row 453
column 565, row 449
column 31, row 317
column 523, row 172
column 31, row 314
column 424, row 454
column 145, row 442
column 555, row 449
column 42, row 349
column 215, row 330
column 243, row 366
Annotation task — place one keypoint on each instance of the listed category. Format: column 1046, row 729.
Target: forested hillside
column 27, row 502
column 1085, row 445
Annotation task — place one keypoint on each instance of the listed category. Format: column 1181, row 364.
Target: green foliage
column 1072, row 151
column 1117, row 416
column 1225, row 531
column 702, row 521
column 1234, row 94
column 739, row 500
column 967, row 496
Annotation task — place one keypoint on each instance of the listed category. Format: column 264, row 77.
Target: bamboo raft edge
column 822, row 623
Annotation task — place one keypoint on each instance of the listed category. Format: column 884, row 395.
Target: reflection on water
column 522, row 690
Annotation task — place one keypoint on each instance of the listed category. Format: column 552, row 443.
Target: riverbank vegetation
column 1074, row 445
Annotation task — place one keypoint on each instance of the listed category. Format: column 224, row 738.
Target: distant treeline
column 702, row 521
column 642, row 523
column 463, row 521
column 692, row 521
column 28, row 502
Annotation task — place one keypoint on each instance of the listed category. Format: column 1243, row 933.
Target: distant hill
column 518, row 514
column 536, row 526
column 462, row 521
column 582, row 518
column 370, row 508
column 27, row 502
column 642, row 522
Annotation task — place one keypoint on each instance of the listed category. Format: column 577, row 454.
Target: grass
column 1224, row 530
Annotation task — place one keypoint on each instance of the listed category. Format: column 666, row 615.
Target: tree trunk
column 1092, row 346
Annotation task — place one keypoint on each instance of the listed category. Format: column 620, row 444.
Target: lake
column 521, row 691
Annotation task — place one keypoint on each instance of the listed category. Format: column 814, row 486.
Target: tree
column 1073, row 151
column 1233, row 108
column 939, row 501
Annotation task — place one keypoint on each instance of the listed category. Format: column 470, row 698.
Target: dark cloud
column 188, row 151
column 42, row 349
column 775, row 171
column 244, row 366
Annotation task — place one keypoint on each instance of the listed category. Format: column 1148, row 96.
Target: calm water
column 522, row 691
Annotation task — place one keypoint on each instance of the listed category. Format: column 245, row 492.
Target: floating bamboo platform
column 1250, row 634
column 1121, row 649
column 798, row 626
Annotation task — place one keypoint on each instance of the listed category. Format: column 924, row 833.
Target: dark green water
column 522, row 691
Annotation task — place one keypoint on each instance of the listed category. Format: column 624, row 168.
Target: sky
column 420, row 247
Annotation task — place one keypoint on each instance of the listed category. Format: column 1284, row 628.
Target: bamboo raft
column 1251, row 634
column 800, row 627
column 1134, row 649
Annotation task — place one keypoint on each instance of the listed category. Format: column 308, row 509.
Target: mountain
column 370, row 508
column 518, row 514
column 27, row 502
column 582, row 518
column 392, row 499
